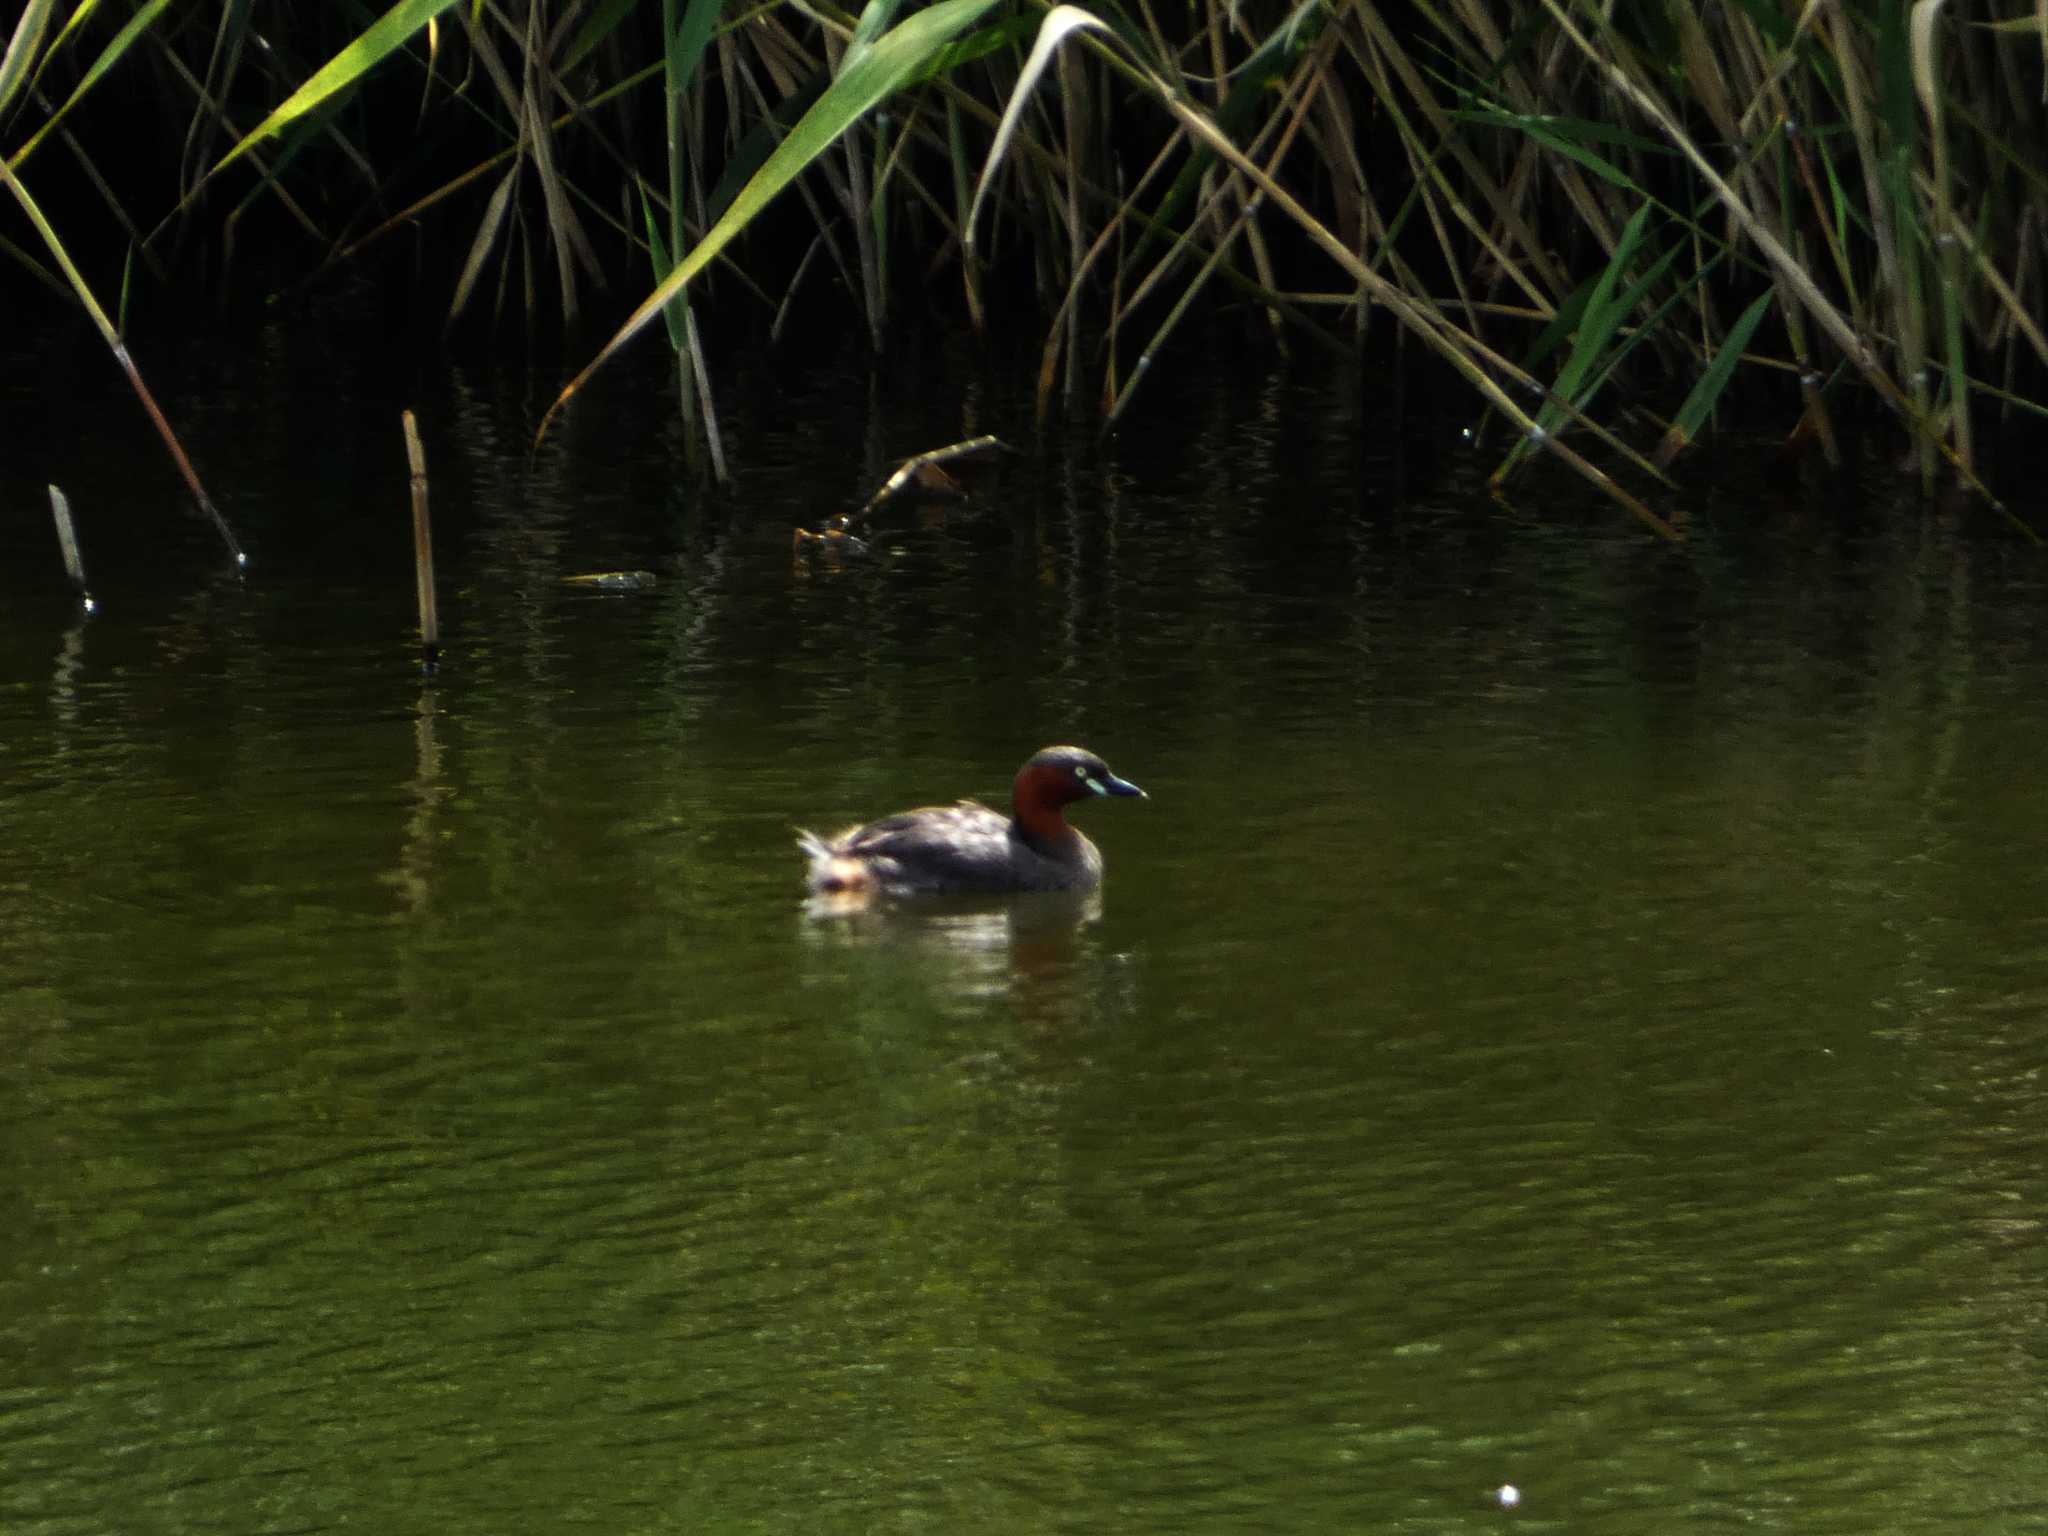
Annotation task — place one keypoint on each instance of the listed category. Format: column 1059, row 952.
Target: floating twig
column 422, row 548
column 922, row 473
column 919, row 475
column 613, row 581
column 67, row 541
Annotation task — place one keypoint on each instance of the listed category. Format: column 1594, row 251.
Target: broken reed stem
column 422, row 547
column 120, row 351
column 67, row 541
column 702, row 377
column 163, row 428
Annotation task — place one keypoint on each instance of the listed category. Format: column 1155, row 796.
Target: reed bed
column 1610, row 222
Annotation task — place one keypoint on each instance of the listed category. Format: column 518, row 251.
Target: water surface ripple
column 1569, row 1015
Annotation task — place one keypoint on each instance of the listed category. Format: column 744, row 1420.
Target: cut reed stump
column 422, row 549
column 67, row 541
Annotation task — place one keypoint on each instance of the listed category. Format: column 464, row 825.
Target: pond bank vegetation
column 1607, row 221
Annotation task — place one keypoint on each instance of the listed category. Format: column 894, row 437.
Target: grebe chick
column 970, row 850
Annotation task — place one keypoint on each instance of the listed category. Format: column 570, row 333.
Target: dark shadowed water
column 1570, row 1015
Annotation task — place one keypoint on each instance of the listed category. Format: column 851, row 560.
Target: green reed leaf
column 76, row 279
column 884, row 67
column 389, row 33
column 752, row 152
column 601, row 24
column 978, row 44
column 1561, row 325
column 1571, row 138
column 22, row 47
column 1706, row 394
column 872, row 22
column 110, row 55
column 657, row 249
column 1059, row 22
column 1604, row 314
column 687, row 43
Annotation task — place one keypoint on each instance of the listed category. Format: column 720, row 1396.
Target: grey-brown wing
column 961, row 847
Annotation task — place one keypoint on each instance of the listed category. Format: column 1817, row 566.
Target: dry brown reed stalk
column 1451, row 345
column 422, row 548
column 1061, row 332
column 1289, row 122
column 1516, row 253
column 526, row 102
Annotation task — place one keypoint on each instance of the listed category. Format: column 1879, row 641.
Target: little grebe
column 968, row 849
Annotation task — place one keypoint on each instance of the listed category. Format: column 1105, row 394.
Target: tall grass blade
column 599, row 25
column 1252, row 84
column 873, row 21
column 657, row 249
column 1706, row 394
column 127, row 363
column 685, row 35
column 890, row 63
column 1920, row 26
column 481, row 246
column 682, row 337
column 1572, row 139
column 1784, row 265
column 686, row 44
column 694, row 349
column 208, row 120
column 385, row 36
column 1294, row 114
column 1060, row 22
column 22, row 48
column 1601, row 317
column 1422, row 320
column 109, row 56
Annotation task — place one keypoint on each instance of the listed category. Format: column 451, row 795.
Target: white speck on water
column 1508, row 1496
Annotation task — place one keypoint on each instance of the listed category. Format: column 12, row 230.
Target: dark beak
column 1112, row 785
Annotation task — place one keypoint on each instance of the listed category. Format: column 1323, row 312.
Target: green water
column 1568, row 1016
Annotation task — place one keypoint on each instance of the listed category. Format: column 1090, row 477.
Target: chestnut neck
column 1037, row 803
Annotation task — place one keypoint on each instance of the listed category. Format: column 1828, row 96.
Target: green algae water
column 1570, row 1015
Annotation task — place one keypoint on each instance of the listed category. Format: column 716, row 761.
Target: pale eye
column 1080, row 770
